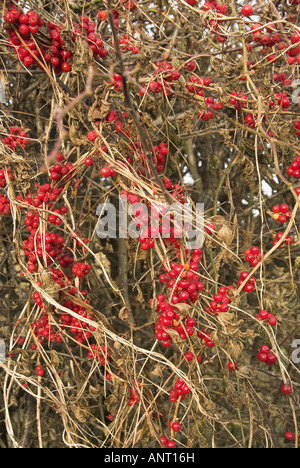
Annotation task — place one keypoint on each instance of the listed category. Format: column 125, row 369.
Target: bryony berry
column 89, row 161
column 290, row 436
column 189, row 356
column 106, row 172
column 286, row 389
column 247, row 10
column 176, row 426
column 40, row 371
column 102, row 15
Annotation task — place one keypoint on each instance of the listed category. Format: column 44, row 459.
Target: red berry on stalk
column 170, row 444
column 176, row 426
column 40, row 371
column 263, row 314
column 102, row 15
column 272, row 359
column 66, row 67
column 210, row 228
column 92, row 136
column 89, row 161
column 247, row 10
column 189, row 356
column 290, row 436
column 272, row 320
column 106, row 172
column 286, row 389
column 232, row 366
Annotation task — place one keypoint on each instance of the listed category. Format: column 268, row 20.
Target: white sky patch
column 266, row 189
column 188, row 179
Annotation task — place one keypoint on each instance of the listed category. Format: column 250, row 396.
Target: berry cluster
column 249, row 286
column 170, row 319
column 159, row 152
column 238, row 100
column 4, row 205
column 43, row 329
column 134, row 395
column 265, row 315
column 16, row 137
column 206, row 338
column 22, row 26
column 166, row 75
column 81, row 270
column 281, row 78
column 253, row 256
column 281, row 213
column 101, row 353
column 61, row 169
column 81, row 330
column 213, row 24
column 3, row 177
column 220, row 301
column 249, row 120
column 282, row 100
column 127, row 45
column 297, row 128
column 198, row 86
column 265, row 355
column 130, row 5
column 180, row 390
column 294, row 168
column 40, row 371
column 287, row 241
column 41, row 249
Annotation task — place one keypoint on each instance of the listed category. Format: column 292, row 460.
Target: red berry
column 89, row 161
column 189, row 356
column 176, row 426
column 40, row 371
column 290, row 436
column 170, row 444
column 102, row 15
column 263, row 314
column 106, row 172
column 66, row 67
column 286, row 389
column 24, row 29
column 272, row 320
column 265, row 349
column 262, row 357
column 210, row 228
column 232, row 366
column 247, row 10
column 295, row 38
column 92, row 136
column 272, row 359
